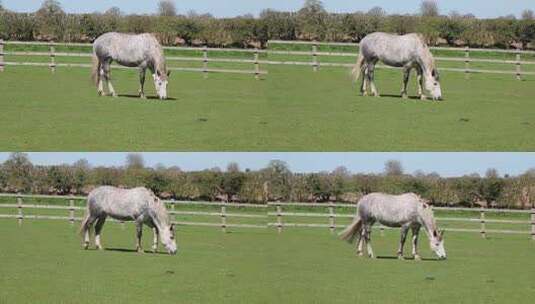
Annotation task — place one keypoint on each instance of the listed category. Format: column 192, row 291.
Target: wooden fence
column 270, row 211
column 467, row 59
column 205, row 59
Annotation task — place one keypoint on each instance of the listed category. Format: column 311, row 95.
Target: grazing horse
column 142, row 51
column 408, row 211
column 408, row 52
column 139, row 205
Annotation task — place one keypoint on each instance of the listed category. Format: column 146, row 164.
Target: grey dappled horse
column 408, row 52
column 139, row 205
column 142, row 51
column 408, row 211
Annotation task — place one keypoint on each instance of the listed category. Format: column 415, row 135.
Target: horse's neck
column 428, row 222
column 158, row 218
column 426, row 61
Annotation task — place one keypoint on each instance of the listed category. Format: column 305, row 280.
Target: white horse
column 408, row 211
column 143, row 51
column 139, row 205
column 408, row 52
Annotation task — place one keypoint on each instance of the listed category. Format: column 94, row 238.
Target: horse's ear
column 435, row 234
column 158, row 73
column 168, row 73
column 172, row 227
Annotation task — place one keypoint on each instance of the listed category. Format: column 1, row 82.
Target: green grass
column 42, row 262
column 293, row 109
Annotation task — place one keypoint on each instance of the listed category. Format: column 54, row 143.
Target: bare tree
column 377, row 11
column 528, row 15
column 167, row 8
column 135, row 161
column 393, row 168
column 429, row 8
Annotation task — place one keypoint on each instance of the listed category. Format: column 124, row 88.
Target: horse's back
column 390, row 210
column 118, row 203
column 127, row 49
column 392, row 49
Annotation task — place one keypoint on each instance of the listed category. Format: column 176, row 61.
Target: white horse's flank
column 408, row 52
column 408, row 211
column 143, row 51
column 139, row 205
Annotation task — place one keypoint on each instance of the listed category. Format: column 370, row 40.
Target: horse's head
column 160, row 83
column 432, row 84
column 167, row 237
column 436, row 241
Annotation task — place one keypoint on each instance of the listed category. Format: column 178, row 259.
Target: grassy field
column 292, row 109
column 42, row 262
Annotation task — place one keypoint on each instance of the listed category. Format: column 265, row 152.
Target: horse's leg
column 86, row 228
column 155, row 240
column 100, row 73
column 142, row 73
column 404, row 232
column 360, row 242
column 406, row 78
column 139, row 230
column 369, row 241
column 421, row 84
column 364, row 75
column 98, row 230
column 371, row 79
column 415, row 232
column 107, row 75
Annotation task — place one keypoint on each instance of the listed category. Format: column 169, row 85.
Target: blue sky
column 446, row 164
column 225, row 8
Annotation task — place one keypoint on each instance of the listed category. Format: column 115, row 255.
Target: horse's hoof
column 401, row 258
column 417, row 258
column 360, row 254
column 404, row 96
column 423, row 97
column 86, row 246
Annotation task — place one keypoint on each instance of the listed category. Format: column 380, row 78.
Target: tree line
column 275, row 182
column 311, row 22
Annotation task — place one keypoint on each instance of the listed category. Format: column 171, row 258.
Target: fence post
column 518, row 67
column 482, row 220
column 256, row 65
column 205, row 61
column 224, row 217
column 315, row 56
column 52, row 57
column 279, row 217
column 533, row 222
column 71, row 210
column 1, row 55
column 19, row 207
column 467, row 62
column 332, row 224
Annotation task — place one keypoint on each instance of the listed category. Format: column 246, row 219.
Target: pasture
column 43, row 261
column 291, row 109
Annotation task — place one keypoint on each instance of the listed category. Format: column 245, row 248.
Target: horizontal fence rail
column 53, row 55
column 315, row 54
column 272, row 210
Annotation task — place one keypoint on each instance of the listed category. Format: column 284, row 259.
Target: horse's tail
column 350, row 233
column 95, row 74
column 357, row 70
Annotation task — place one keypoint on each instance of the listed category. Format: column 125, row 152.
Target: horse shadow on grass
column 124, row 250
column 407, row 258
column 147, row 97
column 399, row 97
